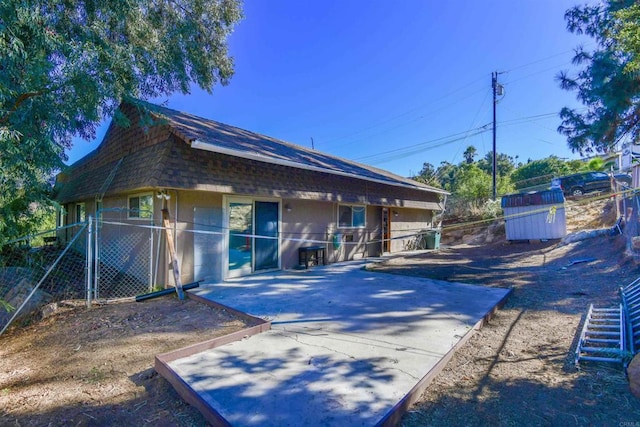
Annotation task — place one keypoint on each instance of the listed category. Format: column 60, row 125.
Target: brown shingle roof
column 222, row 138
column 151, row 158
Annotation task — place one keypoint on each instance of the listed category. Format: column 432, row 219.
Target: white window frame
column 131, row 212
column 62, row 216
column 80, row 212
column 351, row 224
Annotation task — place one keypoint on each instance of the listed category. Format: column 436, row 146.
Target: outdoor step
column 605, row 326
column 601, row 340
column 612, row 350
column 606, row 333
column 631, row 294
column 600, row 359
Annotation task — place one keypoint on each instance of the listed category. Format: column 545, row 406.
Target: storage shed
column 538, row 215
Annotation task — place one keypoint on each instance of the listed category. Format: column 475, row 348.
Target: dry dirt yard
column 95, row 367
column 519, row 369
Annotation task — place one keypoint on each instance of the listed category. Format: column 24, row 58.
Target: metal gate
column 124, row 245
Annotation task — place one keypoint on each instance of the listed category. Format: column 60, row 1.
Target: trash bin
column 433, row 239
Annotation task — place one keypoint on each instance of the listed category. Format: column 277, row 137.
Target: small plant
column 95, row 376
column 491, row 209
column 6, row 306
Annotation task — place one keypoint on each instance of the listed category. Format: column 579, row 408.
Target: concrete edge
column 183, row 389
column 394, row 416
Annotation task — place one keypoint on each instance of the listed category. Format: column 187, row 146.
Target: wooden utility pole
column 498, row 90
column 494, row 84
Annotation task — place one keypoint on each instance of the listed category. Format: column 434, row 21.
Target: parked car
column 581, row 183
column 623, row 178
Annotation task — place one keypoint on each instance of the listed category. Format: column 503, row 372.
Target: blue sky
column 395, row 84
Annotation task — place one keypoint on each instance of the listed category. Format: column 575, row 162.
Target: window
column 62, row 217
column 141, row 206
column 99, row 213
column 351, row 216
column 80, row 212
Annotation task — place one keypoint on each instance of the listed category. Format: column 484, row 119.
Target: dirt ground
column 95, row 367
column 519, row 369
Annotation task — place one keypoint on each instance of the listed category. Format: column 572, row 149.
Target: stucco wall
column 406, row 224
column 197, row 220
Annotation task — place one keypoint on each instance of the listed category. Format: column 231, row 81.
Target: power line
column 542, row 59
column 385, row 121
column 423, row 144
column 423, row 115
column 423, row 149
column 409, row 150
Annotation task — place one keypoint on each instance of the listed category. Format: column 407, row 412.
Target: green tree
column 504, row 164
column 626, row 33
column 474, row 183
column 539, row 172
column 470, row 153
column 595, row 164
column 447, row 174
column 428, row 175
column 65, row 65
column 609, row 84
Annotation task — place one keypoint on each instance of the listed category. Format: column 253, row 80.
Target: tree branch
column 21, row 99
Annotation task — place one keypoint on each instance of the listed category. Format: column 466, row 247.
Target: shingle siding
column 227, row 174
column 158, row 157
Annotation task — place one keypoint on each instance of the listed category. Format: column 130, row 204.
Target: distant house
column 257, row 199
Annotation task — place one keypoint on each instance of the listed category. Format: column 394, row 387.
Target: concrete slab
column 346, row 345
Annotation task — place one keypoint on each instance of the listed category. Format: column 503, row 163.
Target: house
column 239, row 202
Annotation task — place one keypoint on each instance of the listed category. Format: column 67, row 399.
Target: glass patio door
column 266, row 248
column 248, row 221
column 240, row 252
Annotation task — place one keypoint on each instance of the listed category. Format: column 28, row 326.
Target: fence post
column 96, row 260
column 89, row 259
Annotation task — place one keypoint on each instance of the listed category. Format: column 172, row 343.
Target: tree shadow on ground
column 525, row 402
column 590, row 271
column 295, row 389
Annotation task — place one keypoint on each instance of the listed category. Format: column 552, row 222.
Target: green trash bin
column 433, row 239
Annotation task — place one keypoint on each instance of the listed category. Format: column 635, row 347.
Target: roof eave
column 200, row 145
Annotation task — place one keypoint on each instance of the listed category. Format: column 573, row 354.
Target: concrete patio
column 346, row 347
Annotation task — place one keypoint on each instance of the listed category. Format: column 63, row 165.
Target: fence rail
column 41, row 269
column 116, row 255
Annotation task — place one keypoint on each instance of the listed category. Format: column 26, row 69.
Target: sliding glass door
column 266, row 224
column 253, row 242
column 240, row 241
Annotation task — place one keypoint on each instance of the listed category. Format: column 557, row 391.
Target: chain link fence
column 104, row 259
column 42, row 269
column 124, row 245
column 630, row 211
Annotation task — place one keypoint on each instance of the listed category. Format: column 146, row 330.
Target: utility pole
column 497, row 90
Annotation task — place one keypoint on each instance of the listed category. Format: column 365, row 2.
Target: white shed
column 539, row 215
